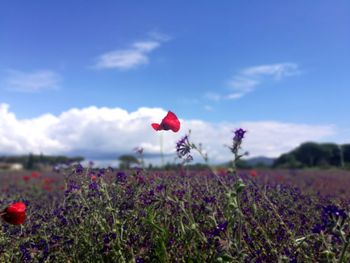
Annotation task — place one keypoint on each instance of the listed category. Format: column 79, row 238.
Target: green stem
column 161, row 149
column 205, row 158
column 342, row 255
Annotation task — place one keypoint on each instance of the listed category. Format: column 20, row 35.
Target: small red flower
column 35, row 174
column 93, row 178
column 48, row 180
column 280, row 178
column 253, row 173
column 15, row 213
column 222, row 171
column 170, row 122
column 26, row 178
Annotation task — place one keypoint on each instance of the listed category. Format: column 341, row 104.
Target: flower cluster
column 183, row 149
column 239, row 134
column 329, row 217
column 121, row 177
column 237, row 140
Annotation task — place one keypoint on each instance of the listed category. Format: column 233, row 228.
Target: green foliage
column 312, row 154
column 346, row 153
column 242, row 164
column 127, row 160
column 165, row 216
column 31, row 161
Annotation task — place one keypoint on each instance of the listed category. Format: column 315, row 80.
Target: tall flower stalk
column 169, row 122
column 161, row 149
column 234, row 195
column 233, row 209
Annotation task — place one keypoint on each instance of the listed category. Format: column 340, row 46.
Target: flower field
column 102, row 215
column 87, row 214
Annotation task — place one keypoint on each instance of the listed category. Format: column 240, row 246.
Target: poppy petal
column 171, row 115
column 171, row 122
column 156, row 126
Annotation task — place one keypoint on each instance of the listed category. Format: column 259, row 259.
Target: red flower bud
column 15, row 213
column 170, row 122
column 35, row 174
column 253, row 173
column 26, row 178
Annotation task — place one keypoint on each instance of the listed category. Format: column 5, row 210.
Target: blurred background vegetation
column 307, row 155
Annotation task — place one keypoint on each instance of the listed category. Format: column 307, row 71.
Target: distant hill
column 260, row 161
column 32, row 161
column 248, row 163
column 311, row 154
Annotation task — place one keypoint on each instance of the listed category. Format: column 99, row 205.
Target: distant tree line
column 311, row 154
column 32, row 161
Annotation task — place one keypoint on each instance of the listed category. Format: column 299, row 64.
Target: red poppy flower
column 253, row 173
column 47, row 180
column 93, row 178
column 170, row 122
column 15, row 213
column 26, row 178
column 280, row 178
column 222, row 171
column 35, row 174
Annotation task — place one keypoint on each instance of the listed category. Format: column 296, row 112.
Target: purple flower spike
column 239, row 134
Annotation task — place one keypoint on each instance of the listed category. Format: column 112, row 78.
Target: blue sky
column 233, row 61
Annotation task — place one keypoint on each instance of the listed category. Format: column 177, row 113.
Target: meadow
column 104, row 215
column 88, row 214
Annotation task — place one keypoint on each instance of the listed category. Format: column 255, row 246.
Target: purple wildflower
column 79, row 169
column 218, row 229
column 239, row 134
column 210, row 199
column 72, row 185
column 121, row 177
column 237, row 140
column 25, row 253
column 93, row 186
column 183, row 147
column 106, row 239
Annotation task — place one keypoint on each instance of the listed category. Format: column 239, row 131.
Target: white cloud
column 235, row 95
column 248, row 79
column 212, row 96
column 131, row 57
column 277, row 71
column 32, row 81
column 107, row 132
column 243, row 84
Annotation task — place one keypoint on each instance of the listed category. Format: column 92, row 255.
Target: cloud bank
column 104, row 133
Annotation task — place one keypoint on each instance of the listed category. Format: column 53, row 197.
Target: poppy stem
column 161, row 148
